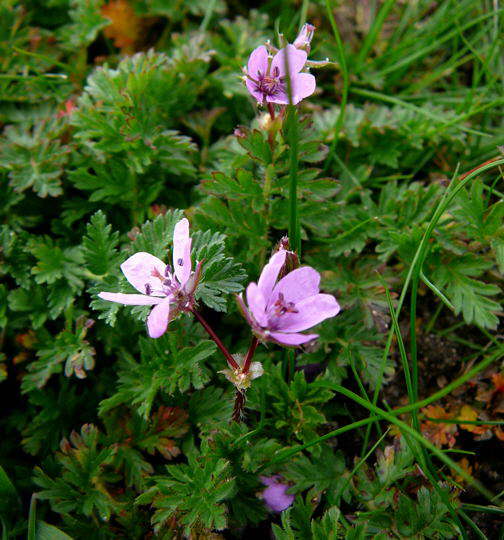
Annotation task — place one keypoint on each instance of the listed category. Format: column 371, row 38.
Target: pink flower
column 266, row 78
column 279, row 311
column 303, row 39
column 275, row 495
column 169, row 289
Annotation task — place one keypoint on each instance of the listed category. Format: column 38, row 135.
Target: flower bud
column 291, row 258
column 304, row 37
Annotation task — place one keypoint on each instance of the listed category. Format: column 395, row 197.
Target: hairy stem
column 271, row 110
column 239, row 405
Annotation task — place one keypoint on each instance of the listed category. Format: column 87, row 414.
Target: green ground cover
column 118, row 119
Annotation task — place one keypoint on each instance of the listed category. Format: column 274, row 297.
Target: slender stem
column 266, row 192
column 293, row 139
column 250, row 354
column 271, row 110
column 231, row 361
column 286, row 454
column 375, row 29
column 346, row 85
column 420, row 255
column 239, row 405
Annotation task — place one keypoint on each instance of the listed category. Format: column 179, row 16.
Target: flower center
column 270, row 83
column 281, row 307
column 168, row 284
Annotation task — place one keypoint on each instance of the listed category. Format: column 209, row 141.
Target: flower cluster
column 277, row 310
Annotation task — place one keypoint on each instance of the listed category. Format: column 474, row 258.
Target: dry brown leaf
column 470, row 414
column 125, row 26
column 438, row 433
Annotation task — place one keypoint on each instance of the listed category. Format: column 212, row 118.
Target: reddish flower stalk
column 231, row 361
column 250, row 354
column 271, row 110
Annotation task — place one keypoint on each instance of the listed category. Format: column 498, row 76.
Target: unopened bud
column 291, row 258
column 240, row 132
column 304, row 37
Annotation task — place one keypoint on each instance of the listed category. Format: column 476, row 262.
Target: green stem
column 283, row 456
column 266, row 192
column 293, row 139
column 346, row 84
column 413, row 433
column 373, row 32
column 420, row 255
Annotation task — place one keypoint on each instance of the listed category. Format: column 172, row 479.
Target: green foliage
column 113, row 129
column 194, row 494
column 99, row 246
column 68, row 348
column 163, row 367
column 155, row 236
column 296, row 406
column 81, row 485
column 296, row 522
column 468, row 295
column 125, row 111
column 221, row 275
column 35, row 157
column 322, row 474
column 87, row 21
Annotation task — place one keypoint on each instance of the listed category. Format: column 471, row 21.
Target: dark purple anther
column 148, row 289
column 180, row 262
column 167, row 282
column 168, row 270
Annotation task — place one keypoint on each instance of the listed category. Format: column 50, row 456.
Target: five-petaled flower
column 267, row 78
column 169, row 289
column 279, row 311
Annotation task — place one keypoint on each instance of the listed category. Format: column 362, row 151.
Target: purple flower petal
column 296, row 60
column 157, row 321
column 281, row 98
column 252, row 88
column 270, row 273
column 143, row 269
column 310, row 311
column 296, row 285
column 244, row 309
column 303, row 85
column 257, row 304
column 292, row 339
column 258, row 62
column 275, row 495
column 182, row 251
column 130, row 299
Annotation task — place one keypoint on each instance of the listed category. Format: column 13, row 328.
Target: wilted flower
column 169, row 289
column 275, row 495
column 279, row 311
column 266, row 77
